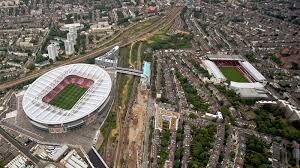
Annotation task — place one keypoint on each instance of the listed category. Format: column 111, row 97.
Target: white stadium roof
column 214, row 69
column 249, row 90
column 94, row 97
column 224, row 57
column 252, row 71
column 238, row 85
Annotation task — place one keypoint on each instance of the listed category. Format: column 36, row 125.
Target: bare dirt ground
column 134, row 140
column 136, row 129
column 117, row 133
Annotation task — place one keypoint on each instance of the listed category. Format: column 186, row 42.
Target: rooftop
column 94, row 97
column 146, row 69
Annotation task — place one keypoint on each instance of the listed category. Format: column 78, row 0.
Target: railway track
column 123, row 42
column 171, row 16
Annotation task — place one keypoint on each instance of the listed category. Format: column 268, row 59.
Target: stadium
column 67, row 97
column 243, row 77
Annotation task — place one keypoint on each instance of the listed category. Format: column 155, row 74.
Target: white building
column 18, row 162
column 238, row 85
column 109, row 59
column 249, row 90
column 72, row 36
column 9, row 3
column 73, row 30
column 69, row 47
column 52, row 51
column 292, row 112
column 58, row 154
column 218, row 116
column 102, row 27
column 73, row 160
column 67, row 27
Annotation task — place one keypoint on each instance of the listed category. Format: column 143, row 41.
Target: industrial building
column 72, row 159
column 19, row 161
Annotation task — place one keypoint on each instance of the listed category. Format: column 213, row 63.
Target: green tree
column 31, row 66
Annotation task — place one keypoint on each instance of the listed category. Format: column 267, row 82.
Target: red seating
column 71, row 79
column 233, row 63
column 87, row 83
column 226, row 62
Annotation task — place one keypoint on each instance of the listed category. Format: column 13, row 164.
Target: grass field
column 233, row 74
column 67, row 98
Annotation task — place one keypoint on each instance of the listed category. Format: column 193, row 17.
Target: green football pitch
column 67, row 98
column 233, row 74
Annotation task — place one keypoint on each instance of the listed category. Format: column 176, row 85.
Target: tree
column 1, row 163
column 51, row 61
column 39, row 58
column 90, row 61
column 225, row 111
column 31, row 66
column 295, row 66
column 193, row 116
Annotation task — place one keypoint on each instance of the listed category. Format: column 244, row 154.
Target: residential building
column 52, row 51
column 69, row 47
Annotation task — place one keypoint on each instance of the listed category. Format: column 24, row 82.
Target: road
column 186, row 146
column 200, row 35
column 227, row 148
column 165, row 20
column 150, row 105
column 218, row 146
column 172, row 147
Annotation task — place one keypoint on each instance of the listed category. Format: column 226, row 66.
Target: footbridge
column 130, row 71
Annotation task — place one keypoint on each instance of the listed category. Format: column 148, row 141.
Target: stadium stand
column 71, row 79
column 252, row 71
column 213, row 69
column 54, row 119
